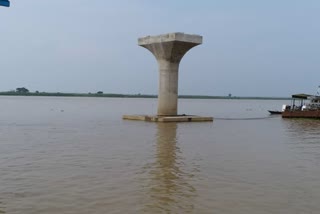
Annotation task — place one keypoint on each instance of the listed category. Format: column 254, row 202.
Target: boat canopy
column 301, row 96
column 315, row 98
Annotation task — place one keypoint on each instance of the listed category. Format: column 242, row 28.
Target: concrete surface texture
column 169, row 50
column 177, row 118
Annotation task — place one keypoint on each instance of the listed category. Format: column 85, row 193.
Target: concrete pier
column 176, row 118
column 169, row 50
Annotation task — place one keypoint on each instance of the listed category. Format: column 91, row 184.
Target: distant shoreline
column 59, row 94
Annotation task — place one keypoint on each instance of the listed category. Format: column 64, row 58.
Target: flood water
column 77, row 156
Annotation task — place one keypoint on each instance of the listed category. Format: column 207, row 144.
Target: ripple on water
column 87, row 160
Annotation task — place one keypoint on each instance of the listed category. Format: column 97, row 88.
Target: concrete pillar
column 169, row 50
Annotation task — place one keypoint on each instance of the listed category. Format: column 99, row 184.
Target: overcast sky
column 250, row 48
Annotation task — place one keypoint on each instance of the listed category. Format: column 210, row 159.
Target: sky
column 250, row 47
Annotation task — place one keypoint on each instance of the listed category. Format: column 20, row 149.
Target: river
column 77, row 156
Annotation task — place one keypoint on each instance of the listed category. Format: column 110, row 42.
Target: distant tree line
column 22, row 90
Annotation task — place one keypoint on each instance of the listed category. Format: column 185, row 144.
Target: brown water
column 76, row 155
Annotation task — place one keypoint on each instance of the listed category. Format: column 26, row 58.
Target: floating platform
column 178, row 118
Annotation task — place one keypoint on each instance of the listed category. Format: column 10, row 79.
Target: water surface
column 76, row 155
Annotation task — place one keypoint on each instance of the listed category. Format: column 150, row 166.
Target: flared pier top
column 170, row 47
column 170, row 37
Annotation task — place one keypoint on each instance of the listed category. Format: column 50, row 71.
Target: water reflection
column 170, row 190
column 304, row 138
column 1, row 208
column 306, row 130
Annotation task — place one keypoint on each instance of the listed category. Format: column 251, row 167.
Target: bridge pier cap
column 169, row 50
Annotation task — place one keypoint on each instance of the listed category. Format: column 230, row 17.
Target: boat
column 274, row 112
column 303, row 106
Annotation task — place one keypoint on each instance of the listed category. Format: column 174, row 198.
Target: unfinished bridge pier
column 169, row 49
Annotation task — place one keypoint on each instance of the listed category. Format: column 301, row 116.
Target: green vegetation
column 25, row 92
column 232, row 97
column 22, row 90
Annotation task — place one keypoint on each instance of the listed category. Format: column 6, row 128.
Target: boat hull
column 301, row 114
column 275, row 112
